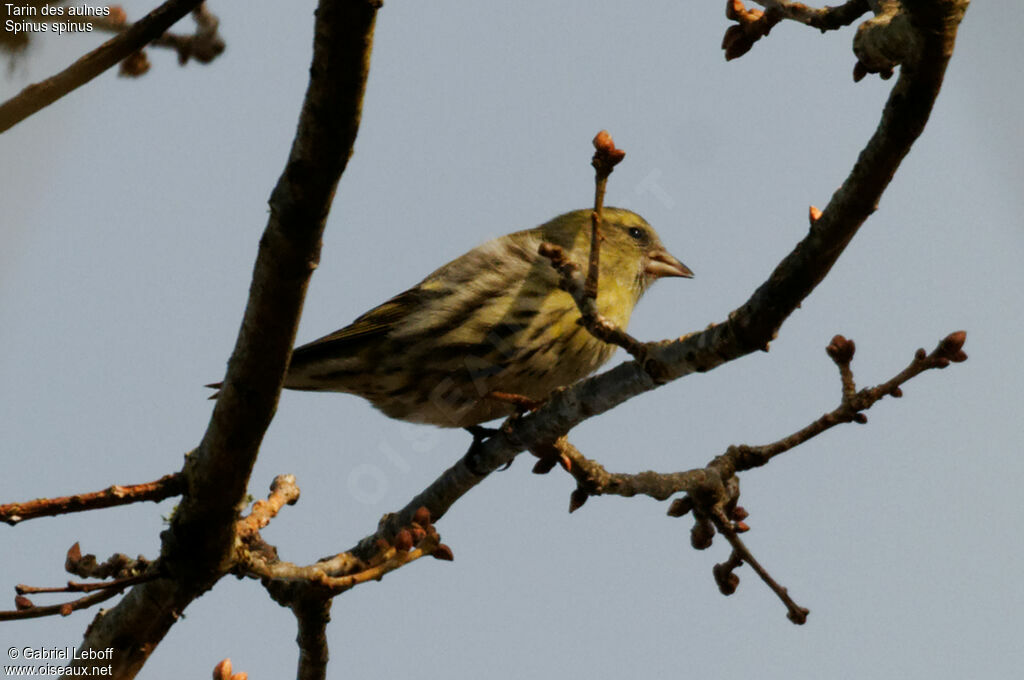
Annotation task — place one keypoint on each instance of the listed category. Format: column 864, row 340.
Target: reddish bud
column 739, row 513
column 860, row 418
column 443, row 552
column 222, row 671
column 735, row 43
column 841, row 350
column 403, row 540
column 548, row 249
column 742, row 527
column 421, row 516
column 606, row 155
column 73, row 557
column 920, row 354
column 22, row 603
column 726, row 579
column 418, row 534
column 814, row 214
column 799, row 615
column 66, row 609
column 859, row 71
column 680, row 507
column 118, row 17
column 896, row 392
column 381, row 545
column 577, row 499
column 603, row 141
column 701, row 535
column 135, row 64
column 952, row 343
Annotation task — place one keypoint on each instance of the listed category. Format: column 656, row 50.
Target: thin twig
column 336, row 574
column 949, row 350
column 392, row 559
column 712, row 491
column 204, row 45
column 42, row 94
column 116, row 566
column 78, row 587
column 27, row 610
column 753, row 24
column 156, row 491
column 825, row 19
column 283, row 491
column 796, row 613
column 597, row 325
column 606, row 157
column 584, row 291
column 593, row 479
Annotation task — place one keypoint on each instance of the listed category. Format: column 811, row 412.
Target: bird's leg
column 522, row 403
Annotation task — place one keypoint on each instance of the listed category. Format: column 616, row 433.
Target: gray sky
column 131, row 215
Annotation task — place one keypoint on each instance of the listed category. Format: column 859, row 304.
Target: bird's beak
column 660, row 263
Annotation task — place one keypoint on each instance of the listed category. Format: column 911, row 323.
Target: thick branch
column 755, row 324
column 312, row 615
column 198, row 546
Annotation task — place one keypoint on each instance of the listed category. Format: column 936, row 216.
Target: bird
column 493, row 320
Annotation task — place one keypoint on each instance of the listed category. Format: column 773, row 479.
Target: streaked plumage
column 493, row 319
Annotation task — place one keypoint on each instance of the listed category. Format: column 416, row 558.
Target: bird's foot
column 480, row 435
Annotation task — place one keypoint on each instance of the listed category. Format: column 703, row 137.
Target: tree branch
column 156, row 491
column 755, row 324
column 312, row 615
column 594, row 480
column 824, row 19
column 39, row 95
column 204, row 45
column 197, row 548
column 27, row 610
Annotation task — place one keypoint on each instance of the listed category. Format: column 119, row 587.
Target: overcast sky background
column 131, row 213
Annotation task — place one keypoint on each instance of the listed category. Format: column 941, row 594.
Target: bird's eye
column 636, row 233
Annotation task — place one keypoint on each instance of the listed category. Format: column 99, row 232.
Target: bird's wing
column 490, row 268
column 372, row 326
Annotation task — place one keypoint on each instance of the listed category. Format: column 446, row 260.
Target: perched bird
column 493, row 319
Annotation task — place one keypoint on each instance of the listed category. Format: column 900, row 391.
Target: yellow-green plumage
column 493, row 319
